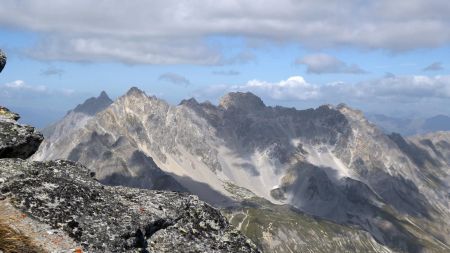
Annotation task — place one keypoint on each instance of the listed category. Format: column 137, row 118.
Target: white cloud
column 293, row 88
column 392, row 88
column 172, row 31
column 323, row 63
column 20, row 85
column 20, row 89
column 388, row 95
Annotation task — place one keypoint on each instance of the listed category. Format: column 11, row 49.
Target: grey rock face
column 17, row 140
column 115, row 219
column 94, row 105
column 65, row 196
column 242, row 101
column 328, row 162
column 2, row 60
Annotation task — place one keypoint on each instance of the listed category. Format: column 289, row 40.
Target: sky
column 387, row 57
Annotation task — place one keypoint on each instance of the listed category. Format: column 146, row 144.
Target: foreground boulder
column 16, row 140
column 61, row 207
column 115, row 219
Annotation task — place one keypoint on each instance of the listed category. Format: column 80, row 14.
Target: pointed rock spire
column 94, row 104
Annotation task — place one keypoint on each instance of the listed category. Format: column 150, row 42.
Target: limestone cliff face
column 329, row 162
column 63, row 207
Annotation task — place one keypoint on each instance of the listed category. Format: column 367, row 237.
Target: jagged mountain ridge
column 329, row 162
column 58, row 206
column 77, row 117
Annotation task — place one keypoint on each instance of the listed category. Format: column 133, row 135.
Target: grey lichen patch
column 64, row 195
column 17, row 140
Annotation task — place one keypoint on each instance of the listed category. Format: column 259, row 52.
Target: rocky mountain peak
column 189, row 102
column 133, row 91
column 103, row 95
column 246, row 101
column 63, row 208
column 94, row 104
column 350, row 112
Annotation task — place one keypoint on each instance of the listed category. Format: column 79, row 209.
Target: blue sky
column 379, row 56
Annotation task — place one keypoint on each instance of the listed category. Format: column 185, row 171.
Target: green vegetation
column 279, row 229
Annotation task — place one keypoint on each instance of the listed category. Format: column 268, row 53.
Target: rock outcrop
column 115, row 219
column 64, row 200
column 2, row 60
column 16, row 140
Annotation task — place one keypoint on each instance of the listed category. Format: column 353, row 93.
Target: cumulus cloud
column 323, row 63
column 173, row 32
column 174, row 79
column 20, row 89
column 394, row 89
column 435, row 66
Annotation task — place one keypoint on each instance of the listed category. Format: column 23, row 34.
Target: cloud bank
column 174, row 32
column 20, row 89
column 386, row 94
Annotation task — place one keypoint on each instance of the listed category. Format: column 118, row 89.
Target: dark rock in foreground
column 64, row 195
column 2, row 60
column 16, row 140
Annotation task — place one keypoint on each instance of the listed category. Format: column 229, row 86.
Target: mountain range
column 323, row 179
column 410, row 126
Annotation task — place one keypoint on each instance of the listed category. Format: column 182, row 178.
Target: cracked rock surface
column 115, row 219
column 16, row 140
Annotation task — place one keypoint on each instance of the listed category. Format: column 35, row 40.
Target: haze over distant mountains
column 249, row 158
column 411, row 126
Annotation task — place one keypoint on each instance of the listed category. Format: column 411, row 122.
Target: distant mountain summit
column 437, row 123
column 95, row 104
column 411, row 126
column 77, row 117
column 329, row 162
column 242, row 101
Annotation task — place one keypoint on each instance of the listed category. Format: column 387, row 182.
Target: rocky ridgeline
column 64, row 198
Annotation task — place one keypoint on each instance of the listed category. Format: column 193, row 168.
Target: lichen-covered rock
column 16, row 140
column 6, row 114
column 100, row 218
